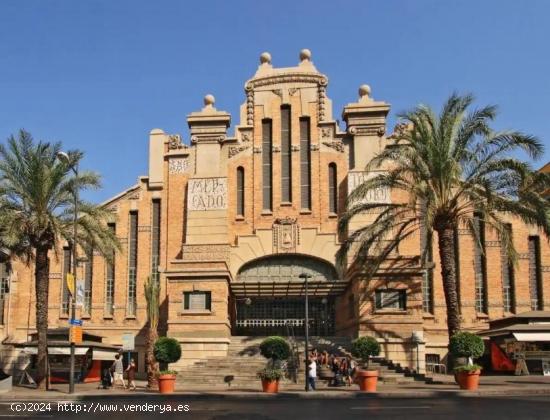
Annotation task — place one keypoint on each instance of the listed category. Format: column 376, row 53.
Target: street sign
column 70, row 283
column 76, row 334
column 128, row 342
column 77, row 322
column 79, row 293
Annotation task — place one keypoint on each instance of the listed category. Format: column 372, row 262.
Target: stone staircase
column 239, row 368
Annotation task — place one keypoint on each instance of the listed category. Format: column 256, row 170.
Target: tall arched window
column 267, row 144
column 240, row 191
column 286, row 156
column 332, row 188
column 305, row 165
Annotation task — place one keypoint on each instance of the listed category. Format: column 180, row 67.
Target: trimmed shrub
column 275, row 348
column 167, row 350
column 465, row 344
column 365, row 347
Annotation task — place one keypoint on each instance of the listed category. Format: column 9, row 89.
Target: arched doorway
column 269, row 296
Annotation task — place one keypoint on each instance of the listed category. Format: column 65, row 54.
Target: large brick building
column 227, row 222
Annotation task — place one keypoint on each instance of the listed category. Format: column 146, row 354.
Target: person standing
column 131, row 371
column 311, row 373
column 118, row 369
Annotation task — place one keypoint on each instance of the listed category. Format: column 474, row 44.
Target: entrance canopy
column 535, row 336
column 65, row 351
column 288, row 288
column 279, row 275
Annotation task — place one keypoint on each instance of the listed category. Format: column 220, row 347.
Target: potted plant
column 167, row 350
column 469, row 346
column 276, row 349
column 364, row 348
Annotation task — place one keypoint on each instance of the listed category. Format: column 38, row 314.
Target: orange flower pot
column 166, row 383
column 367, row 380
column 468, row 380
column 270, row 387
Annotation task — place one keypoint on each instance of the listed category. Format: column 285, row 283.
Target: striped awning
column 288, row 288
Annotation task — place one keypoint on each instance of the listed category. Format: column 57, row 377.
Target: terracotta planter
column 367, row 380
column 269, row 386
column 166, row 383
column 468, row 380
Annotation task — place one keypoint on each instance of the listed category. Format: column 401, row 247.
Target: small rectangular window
column 395, row 299
column 197, row 301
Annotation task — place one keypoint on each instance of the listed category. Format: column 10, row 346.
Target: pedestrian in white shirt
column 311, row 373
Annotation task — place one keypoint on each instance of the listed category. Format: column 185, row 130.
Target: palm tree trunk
column 448, row 274
column 42, row 272
column 152, row 364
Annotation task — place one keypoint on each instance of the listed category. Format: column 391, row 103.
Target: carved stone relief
column 205, row 252
column 207, row 194
column 178, row 165
column 378, row 195
column 336, row 145
column 235, row 150
column 175, row 143
column 286, row 235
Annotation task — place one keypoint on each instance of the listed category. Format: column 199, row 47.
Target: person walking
column 118, row 369
column 131, row 371
column 311, row 373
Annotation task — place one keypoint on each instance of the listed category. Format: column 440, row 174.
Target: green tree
column 36, row 215
column 152, row 296
column 454, row 171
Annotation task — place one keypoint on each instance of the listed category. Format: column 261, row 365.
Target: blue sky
column 98, row 75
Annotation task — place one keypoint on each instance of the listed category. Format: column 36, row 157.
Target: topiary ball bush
column 465, row 344
column 167, row 350
column 275, row 348
column 365, row 347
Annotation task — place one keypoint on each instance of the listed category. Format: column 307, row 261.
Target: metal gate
column 270, row 316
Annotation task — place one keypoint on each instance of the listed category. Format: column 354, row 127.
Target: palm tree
column 454, row 171
column 152, row 296
column 36, row 215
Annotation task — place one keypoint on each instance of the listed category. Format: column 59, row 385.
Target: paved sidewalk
column 445, row 386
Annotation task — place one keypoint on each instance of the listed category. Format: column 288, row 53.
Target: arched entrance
column 269, row 296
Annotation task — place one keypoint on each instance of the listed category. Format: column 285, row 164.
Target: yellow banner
column 70, row 283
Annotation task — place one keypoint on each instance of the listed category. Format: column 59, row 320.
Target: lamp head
column 63, row 157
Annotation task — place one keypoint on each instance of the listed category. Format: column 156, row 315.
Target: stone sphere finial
column 364, row 90
column 265, row 58
column 305, row 54
column 209, row 100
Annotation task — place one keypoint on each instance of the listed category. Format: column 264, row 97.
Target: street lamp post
column 64, row 157
column 306, row 277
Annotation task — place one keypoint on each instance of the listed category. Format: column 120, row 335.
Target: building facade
column 227, row 223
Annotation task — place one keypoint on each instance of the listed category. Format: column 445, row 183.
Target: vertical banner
column 79, row 293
